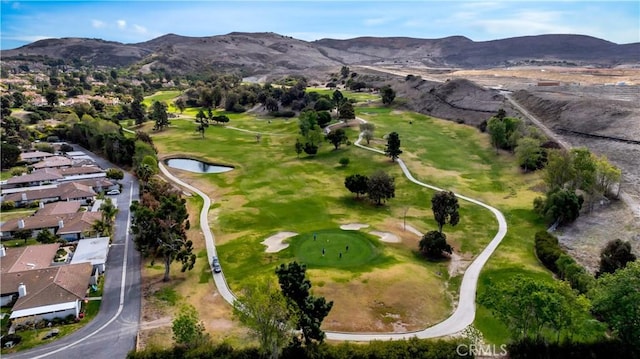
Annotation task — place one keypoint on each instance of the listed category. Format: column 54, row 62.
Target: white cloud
column 529, row 22
column 139, row 29
column 312, row 36
column 29, row 38
column 98, row 24
column 376, row 21
column 121, row 24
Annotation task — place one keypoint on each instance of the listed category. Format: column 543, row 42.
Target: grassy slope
column 459, row 158
column 271, row 190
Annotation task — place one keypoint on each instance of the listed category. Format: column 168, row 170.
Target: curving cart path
column 464, row 313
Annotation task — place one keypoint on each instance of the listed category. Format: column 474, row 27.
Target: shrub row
column 559, row 262
column 539, row 349
column 412, row 348
column 283, row 113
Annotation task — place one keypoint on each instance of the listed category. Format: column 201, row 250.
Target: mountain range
column 263, row 53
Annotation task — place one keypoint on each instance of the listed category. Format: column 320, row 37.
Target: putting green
column 361, row 250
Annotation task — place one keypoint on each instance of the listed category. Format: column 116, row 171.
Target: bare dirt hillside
column 580, row 113
column 264, row 53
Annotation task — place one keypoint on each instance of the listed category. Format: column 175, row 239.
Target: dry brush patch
column 213, row 310
column 402, row 297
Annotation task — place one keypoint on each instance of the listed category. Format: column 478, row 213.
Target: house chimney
column 3, row 252
column 22, row 290
column 24, row 196
column 21, row 223
column 60, row 224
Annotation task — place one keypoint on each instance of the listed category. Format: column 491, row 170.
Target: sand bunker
column 353, row 226
column 275, row 243
column 386, row 236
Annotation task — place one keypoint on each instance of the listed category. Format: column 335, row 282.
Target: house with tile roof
column 39, row 177
column 53, row 162
column 68, row 191
column 48, row 293
column 20, row 259
column 34, row 156
column 57, row 208
column 71, row 226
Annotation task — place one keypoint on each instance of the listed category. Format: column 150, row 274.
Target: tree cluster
column 558, row 261
column 445, row 207
column 159, row 224
column 568, row 172
column 531, row 308
column 379, row 186
column 409, row 348
column 310, row 310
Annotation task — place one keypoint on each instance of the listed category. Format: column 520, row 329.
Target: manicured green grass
column 336, row 249
column 272, row 190
column 163, row 96
column 358, row 96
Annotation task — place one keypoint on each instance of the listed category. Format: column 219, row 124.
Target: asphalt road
column 112, row 333
column 463, row 315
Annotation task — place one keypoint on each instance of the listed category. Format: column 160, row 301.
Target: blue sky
column 23, row 22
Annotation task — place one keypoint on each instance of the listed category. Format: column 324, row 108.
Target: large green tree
column 561, row 206
column 346, row 111
column 9, row 156
column 529, row 154
column 615, row 255
column 159, row 224
column 616, row 299
column 52, row 97
column 265, row 311
column 159, row 115
column 433, row 244
column 532, row 308
column 309, row 309
column 584, row 165
column 606, row 175
column 356, row 183
column 188, row 330
column 380, row 187
column 392, row 148
column 388, row 95
column 138, row 111
column 444, row 205
column 497, row 132
column 337, row 137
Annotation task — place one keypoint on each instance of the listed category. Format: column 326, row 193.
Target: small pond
column 196, row 166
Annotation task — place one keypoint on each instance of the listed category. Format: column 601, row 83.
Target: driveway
column 112, row 333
